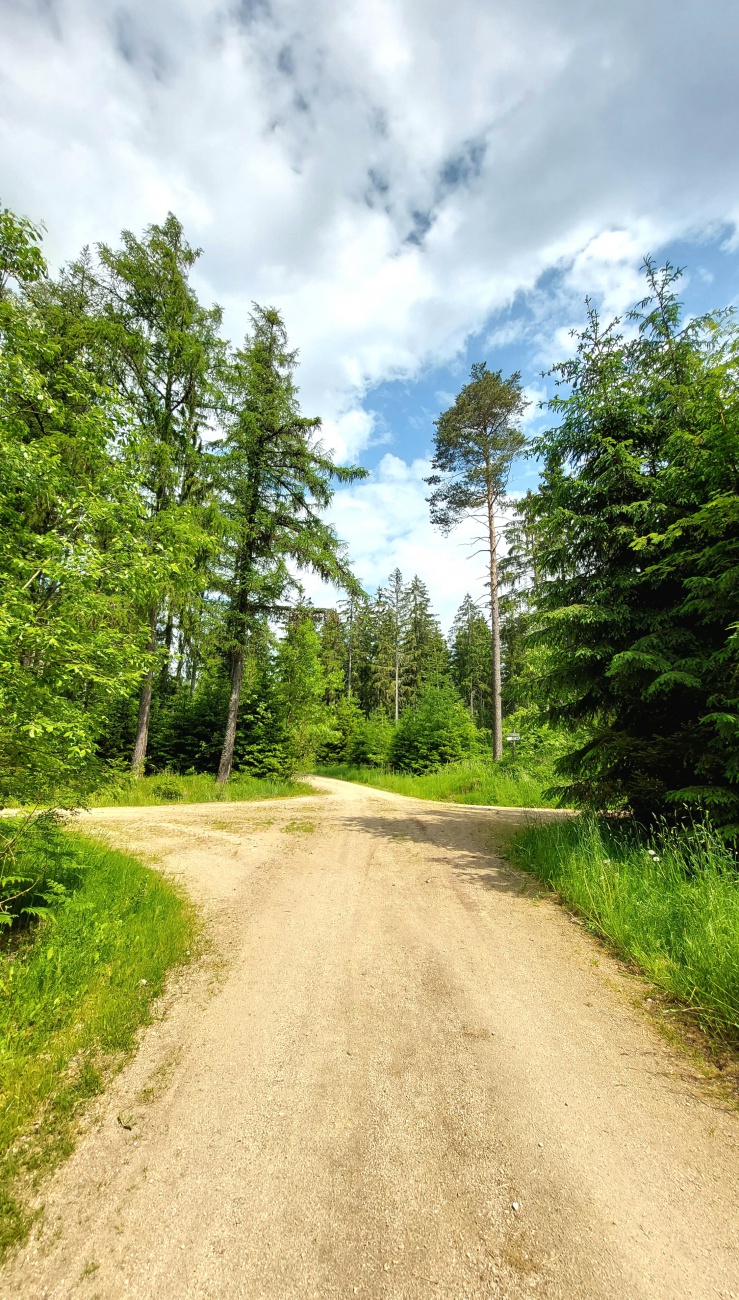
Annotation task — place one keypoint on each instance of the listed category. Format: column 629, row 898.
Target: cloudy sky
column 415, row 184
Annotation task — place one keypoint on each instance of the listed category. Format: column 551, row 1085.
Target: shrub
column 436, row 731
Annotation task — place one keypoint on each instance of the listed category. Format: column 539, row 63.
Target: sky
column 415, row 185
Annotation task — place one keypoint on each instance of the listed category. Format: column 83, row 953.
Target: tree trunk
column 142, row 726
column 229, row 740
column 397, row 675
column 497, row 708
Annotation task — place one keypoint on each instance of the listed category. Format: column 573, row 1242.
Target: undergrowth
column 669, row 903
column 149, row 791
column 75, row 985
column 475, row 781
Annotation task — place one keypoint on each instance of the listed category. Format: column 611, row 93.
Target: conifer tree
column 423, row 651
column 161, row 350
column 475, row 445
column 276, row 479
column 391, row 614
column 469, row 645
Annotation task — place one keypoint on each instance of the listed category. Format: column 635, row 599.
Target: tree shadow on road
column 472, row 842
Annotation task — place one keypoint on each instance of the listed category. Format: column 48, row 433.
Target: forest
column 162, row 491
column 163, row 494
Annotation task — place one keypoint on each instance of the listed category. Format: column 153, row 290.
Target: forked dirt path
column 408, row 1077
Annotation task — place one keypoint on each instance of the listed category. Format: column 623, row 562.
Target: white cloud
column 385, row 521
column 388, row 172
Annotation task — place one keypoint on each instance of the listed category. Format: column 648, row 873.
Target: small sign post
column 512, row 739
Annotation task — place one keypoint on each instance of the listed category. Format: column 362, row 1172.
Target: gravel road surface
column 398, row 1073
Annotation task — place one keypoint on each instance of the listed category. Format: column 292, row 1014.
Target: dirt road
column 408, row 1077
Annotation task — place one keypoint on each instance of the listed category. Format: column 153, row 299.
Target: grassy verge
column 151, row 791
column 670, row 905
column 473, row 782
column 73, row 992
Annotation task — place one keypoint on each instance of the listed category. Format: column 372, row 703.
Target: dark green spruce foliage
column 470, row 658
column 637, row 522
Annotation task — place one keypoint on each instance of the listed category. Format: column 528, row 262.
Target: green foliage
column 276, row 479
column 72, row 995
column 476, row 442
column 70, row 552
column 638, row 544
column 474, row 781
column 669, row 903
column 153, row 791
column 470, row 656
column 371, row 740
column 301, row 690
column 475, row 445
column 35, row 863
column 437, row 730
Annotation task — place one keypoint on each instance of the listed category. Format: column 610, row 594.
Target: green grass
column 475, row 781
column 152, row 791
column 74, row 989
column 671, row 905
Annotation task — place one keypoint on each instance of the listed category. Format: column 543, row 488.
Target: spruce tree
column 470, row 655
column 424, row 652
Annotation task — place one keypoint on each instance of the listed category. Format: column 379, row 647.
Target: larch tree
column 162, row 351
column 475, row 444
column 276, row 480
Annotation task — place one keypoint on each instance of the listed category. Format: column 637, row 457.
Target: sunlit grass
column 475, row 781
column 164, row 788
column 73, row 991
column 671, row 904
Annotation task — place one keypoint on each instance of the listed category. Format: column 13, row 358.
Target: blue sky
column 405, row 410
column 415, row 185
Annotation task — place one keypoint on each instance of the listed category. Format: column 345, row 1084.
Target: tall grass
column 151, row 791
column 670, row 904
column 475, row 781
column 74, row 988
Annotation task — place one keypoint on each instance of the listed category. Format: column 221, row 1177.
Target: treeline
column 161, row 492
column 372, row 682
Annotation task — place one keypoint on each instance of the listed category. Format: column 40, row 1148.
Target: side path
column 407, row 1076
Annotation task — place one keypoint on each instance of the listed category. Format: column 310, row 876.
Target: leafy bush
column 371, row 740
column 436, row 731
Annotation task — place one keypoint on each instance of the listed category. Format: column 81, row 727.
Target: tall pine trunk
column 229, row 740
column 497, row 709
column 138, row 760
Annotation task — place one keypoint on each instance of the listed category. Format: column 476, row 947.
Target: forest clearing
column 399, row 1070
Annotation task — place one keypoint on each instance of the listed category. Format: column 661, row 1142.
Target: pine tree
column 475, row 445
